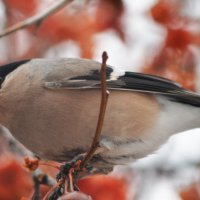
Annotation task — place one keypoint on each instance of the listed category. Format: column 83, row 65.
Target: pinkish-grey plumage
column 51, row 106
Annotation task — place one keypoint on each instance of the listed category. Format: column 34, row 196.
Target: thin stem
column 36, row 19
column 50, row 191
column 103, row 105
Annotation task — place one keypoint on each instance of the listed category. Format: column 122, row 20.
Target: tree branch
column 103, row 105
column 36, row 19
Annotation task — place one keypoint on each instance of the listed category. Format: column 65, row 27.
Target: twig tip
column 104, row 56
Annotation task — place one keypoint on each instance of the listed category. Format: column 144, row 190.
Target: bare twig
column 46, row 197
column 36, row 19
column 103, row 105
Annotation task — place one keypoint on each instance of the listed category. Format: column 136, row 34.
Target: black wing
column 130, row 81
column 8, row 68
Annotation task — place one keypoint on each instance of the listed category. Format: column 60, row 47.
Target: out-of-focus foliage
column 21, row 9
column 191, row 193
column 104, row 187
column 15, row 182
column 175, row 60
column 79, row 23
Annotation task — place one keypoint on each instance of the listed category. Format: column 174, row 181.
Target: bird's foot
column 68, row 175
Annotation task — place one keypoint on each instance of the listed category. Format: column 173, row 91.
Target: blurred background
column 153, row 36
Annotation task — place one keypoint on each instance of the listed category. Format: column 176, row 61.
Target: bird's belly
column 53, row 124
column 173, row 118
column 126, row 151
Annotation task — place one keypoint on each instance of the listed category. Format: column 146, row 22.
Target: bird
column 51, row 106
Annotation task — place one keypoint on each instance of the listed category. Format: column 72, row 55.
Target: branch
column 36, row 19
column 103, row 105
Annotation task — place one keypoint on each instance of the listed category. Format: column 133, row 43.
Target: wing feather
column 130, row 81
